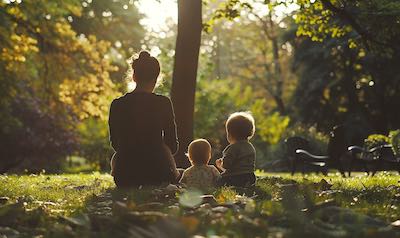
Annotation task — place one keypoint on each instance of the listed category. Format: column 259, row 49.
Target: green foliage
column 367, row 24
column 318, row 140
column 44, row 139
column 116, row 22
column 55, row 73
column 341, row 86
column 94, row 142
column 239, row 71
column 375, row 140
column 395, row 141
column 215, row 102
column 271, row 128
column 316, row 22
column 229, row 9
column 345, row 58
column 278, row 151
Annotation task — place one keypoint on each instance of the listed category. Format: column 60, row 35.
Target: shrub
column 94, row 143
column 37, row 139
column 394, row 137
column 375, row 140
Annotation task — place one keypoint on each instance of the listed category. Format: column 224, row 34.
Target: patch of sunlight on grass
column 62, row 194
column 375, row 196
column 358, row 180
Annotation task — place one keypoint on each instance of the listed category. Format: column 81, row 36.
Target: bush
column 394, row 137
column 36, row 140
column 94, row 143
column 375, row 140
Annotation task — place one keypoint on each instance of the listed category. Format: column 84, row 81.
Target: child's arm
column 227, row 159
column 220, row 164
column 216, row 173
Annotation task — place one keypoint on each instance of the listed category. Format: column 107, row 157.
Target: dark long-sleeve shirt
column 141, row 126
column 239, row 158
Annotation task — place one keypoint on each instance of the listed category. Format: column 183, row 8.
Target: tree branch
column 345, row 16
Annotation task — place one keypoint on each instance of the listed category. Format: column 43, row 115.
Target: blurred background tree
column 56, row 76
column 354, row 62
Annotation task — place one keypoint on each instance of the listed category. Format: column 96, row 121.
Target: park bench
column 374, row 159
column 297, row 151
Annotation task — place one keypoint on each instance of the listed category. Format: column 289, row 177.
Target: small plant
column 375, row 140
column 225, row 195
column 394, row 137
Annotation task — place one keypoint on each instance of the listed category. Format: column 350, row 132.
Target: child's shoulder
column 214, row 171
column 189, row 169
column 243, row 145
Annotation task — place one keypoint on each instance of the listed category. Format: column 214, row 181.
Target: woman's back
column 143, row 134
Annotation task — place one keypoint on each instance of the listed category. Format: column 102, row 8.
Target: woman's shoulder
column 116, row 102
column 162, row 97
column 120, row 99
column 163, row 101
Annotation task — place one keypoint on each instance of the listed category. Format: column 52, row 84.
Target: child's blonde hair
column 199, row 152
column 240, row 125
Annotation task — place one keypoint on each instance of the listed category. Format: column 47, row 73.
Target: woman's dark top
column 143, row 134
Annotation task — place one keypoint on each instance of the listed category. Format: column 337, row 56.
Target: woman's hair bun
column 145, row 67
column 144, row 55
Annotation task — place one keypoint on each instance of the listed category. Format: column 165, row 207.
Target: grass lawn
column 88, row 205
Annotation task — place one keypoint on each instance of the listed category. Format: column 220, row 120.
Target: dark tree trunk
column 185, row 72
column 278, row 77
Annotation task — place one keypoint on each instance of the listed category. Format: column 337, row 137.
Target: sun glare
column 157, row 13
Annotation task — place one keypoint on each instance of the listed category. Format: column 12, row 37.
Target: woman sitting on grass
column 143, row 131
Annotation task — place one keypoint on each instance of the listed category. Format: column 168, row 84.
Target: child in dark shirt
column 238, row 161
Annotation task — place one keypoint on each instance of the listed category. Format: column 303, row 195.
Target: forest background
column 301, row 67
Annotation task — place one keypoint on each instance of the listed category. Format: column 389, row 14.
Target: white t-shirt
column 200, row 176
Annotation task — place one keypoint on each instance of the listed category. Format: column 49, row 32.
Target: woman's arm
column 170, row 135
column 113, row 126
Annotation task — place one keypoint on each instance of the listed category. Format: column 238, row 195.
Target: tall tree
column 361, row 39
column 185, row 71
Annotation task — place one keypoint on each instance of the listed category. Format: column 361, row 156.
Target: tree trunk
column 185, row 73
column 278, row 77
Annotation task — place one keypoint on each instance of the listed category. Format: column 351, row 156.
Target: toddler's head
column 199, row 152
column 240, row 126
